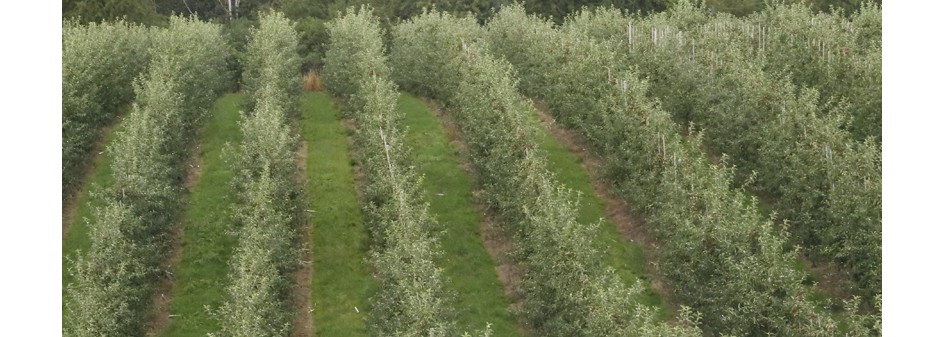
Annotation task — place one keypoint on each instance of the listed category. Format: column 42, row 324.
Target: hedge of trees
column 722, row 256
column 269, row 198
column 412, row 299
column 784, row 142
column 114, row 278
column 99, row 64
column 839, row 56
column 566, row 290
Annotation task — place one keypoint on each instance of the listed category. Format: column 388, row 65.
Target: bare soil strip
column 497, row 242
column 301, row 292
column 832, row 281
column 630, row 224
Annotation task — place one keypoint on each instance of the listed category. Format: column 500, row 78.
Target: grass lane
column 467, row 264
column 341, row 279
column 626, row 258
column 77, row 236
column 206, row 245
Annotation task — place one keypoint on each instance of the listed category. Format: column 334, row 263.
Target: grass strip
column 626, row 258
column 206, row 244
column 77, row 236
column 342, row 284
column 470, row 269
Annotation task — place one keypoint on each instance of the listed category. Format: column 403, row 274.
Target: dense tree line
column 728, row 77
column 268, row 207
column 99, row 65
column 157, row 10
column 566, row 289
column 723, row 257
column 311, row 15
column 129, row 234
column 412, row 299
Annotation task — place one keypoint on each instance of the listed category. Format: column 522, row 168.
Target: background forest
column 311, row 15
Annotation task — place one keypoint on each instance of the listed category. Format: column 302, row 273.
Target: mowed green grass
column 202, row 274
column 77, row 238
column 341, row 279
column 626, row 258
column 467, row 264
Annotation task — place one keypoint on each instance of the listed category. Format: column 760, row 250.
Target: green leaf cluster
column 566, row 290
column 99, row 63
column 412, row 299
column 784, row 140
column 355, row 53
column 113, row 280
column 269, row 199
column 723, row 258
column 272, row 62
column 839, row 56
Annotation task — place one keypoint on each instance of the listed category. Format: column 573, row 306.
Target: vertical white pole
column 630, row 35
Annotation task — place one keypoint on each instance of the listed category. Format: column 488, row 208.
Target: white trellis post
column 630, row 35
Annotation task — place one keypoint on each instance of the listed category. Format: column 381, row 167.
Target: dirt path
column 301, row 292
column 497, row 242
column 831, row 280
column 160, row 316
column 629, row 224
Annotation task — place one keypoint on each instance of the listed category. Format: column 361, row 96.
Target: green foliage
column 143, row 202
column 412, row 299
column 558, row 10
column 310, row 22
column 723, row 258
column 90, row 11
column 735, row 7
column 198, row 50
column 272, row 62
column 237, row 32
column 147, row 156
column 449, row 189
column 99, row 63
column 258, row 290
column 355, row 53
column 566, row 290
column 846, row 6
column 737, row 82
column 268, row 149
column 868, row 21
column 840, row 57
column 78, row 138
column 399, row 10
column 426, row 46
column 110, row 288
column 102, row 59
column 268, row 206
column 312, row 34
